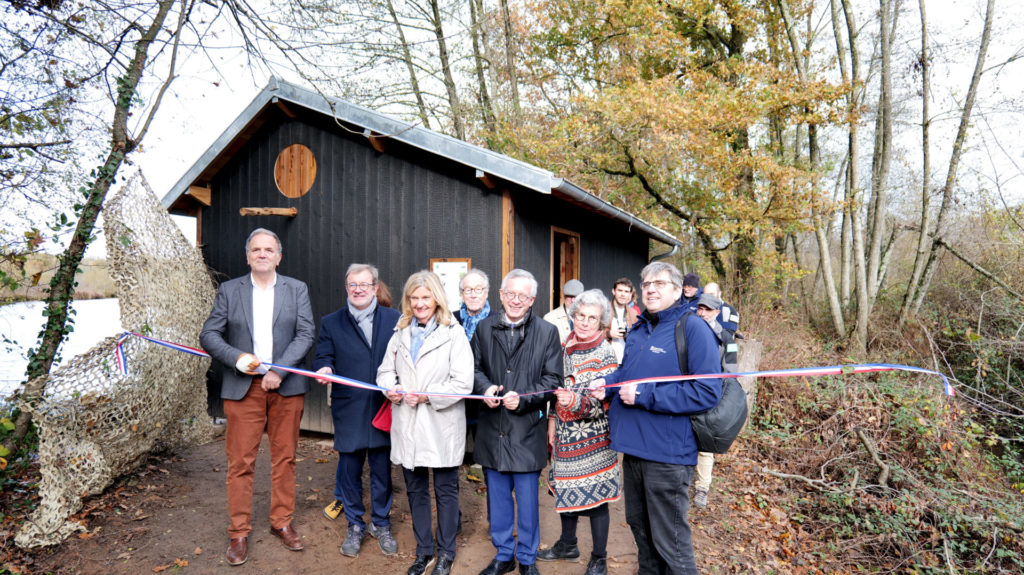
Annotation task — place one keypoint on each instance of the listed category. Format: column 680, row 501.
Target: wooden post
column 508, row 234
column 288, row 212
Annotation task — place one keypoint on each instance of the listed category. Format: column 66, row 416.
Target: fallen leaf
column 198, row 551
column 87, row 535
column 181, row 563
column 163, row 568
column 126, row 556
column 321, row 460
column 312, row 497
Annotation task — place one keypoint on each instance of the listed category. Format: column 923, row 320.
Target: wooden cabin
column 341, row 184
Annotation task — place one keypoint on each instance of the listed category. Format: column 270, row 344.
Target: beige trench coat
column 432, row 434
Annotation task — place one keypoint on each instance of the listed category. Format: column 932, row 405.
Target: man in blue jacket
column 351, row 344
column 691, row 291
column 648, row 423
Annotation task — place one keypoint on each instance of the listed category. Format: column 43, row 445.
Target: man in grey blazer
column 256, row 320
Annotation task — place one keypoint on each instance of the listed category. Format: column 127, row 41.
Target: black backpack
column 716, row 428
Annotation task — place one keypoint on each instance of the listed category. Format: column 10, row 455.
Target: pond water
column 20, row 324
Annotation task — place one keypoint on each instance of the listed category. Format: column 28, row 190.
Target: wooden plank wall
column 395, row 209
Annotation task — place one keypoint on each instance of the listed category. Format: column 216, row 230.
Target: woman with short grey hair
column 593, row 297
column 583, row 480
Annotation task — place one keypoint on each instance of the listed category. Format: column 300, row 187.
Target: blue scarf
column 420, row 333
column 469, row 321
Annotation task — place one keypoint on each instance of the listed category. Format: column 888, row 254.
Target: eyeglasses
column 474, row 291
column 363, row 286
column 657, row 284
column 517, row 297
column 586, row 319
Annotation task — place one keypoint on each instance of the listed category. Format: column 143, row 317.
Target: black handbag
column 716, row 429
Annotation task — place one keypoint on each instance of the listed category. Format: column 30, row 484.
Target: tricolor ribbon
column 122, row 364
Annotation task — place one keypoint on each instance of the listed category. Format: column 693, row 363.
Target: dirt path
column 174, row 510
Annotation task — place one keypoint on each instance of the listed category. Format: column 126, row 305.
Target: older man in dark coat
column 516, row 353
column 351, row 344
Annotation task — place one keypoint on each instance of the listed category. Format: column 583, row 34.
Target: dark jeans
column 348, row 485
column 600, row 521
column 446, row 493
column 657, row 501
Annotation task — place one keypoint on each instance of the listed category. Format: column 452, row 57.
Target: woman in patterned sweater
column 584, row 471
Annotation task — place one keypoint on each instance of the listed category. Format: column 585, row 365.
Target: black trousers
column 657, row 502
column 446, row 494
column 600, row 521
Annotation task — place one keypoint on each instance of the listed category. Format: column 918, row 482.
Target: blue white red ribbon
column 122, row 365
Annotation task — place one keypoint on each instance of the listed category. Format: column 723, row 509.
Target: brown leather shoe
column 288, row 536
column 238, row 551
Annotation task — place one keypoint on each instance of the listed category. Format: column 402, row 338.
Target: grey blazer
column 227, row 333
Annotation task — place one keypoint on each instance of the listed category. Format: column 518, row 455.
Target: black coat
column 342, row 346
column 515, row 441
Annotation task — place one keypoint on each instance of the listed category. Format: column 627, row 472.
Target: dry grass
column 93, row 280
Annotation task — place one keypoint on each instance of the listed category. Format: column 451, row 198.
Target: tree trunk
column 62, row 285
column 921, row 255
column 814, row 153
column 483, row 96
column 845, row 241
column 407, row 58
column 860, row 332
column 882, row 156
column 446, row 70
column 510, row 59
column 954, row 161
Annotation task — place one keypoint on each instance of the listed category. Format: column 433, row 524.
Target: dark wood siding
column 608, row 248
column 395, row 210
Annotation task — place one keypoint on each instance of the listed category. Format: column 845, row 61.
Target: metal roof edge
column 493, row 163
column 577, row 193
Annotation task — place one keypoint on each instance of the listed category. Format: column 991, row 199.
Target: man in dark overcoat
column 351, row 344
column 516, row 353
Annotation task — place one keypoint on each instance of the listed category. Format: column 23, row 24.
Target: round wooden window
column 295, row 170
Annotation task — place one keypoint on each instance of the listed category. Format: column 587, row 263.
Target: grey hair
column 476, row 272
column 593, row 297
column 713, row 289
column 519, row 273
column 266, row 232
column 356, row 268
column 655, row 268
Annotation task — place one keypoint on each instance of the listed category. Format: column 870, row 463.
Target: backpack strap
column 684, row 363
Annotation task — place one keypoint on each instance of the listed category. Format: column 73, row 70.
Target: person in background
column 515, row 353
column 351, row 344
column 474, row 288
column 649, row 422
column 584, row 471
column 691, row 291
column 624, row 314
column 383, row 294
column 244, row 333
column 708, row 308
column 428, row 353
column 729, row 318
column 559, row 317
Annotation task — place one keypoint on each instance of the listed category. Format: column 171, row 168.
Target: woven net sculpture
column 96, row 423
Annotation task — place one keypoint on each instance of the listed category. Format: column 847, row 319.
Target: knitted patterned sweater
column 584, row 470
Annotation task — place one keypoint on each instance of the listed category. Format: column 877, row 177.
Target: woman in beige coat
column 429, row 353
